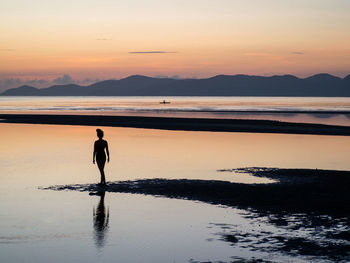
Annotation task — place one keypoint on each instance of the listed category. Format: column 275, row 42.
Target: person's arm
column 94, row 153
column 107, row 151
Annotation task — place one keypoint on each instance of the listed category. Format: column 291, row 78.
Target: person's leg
column 101, row 166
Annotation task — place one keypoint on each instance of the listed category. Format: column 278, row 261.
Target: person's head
column 99, row 133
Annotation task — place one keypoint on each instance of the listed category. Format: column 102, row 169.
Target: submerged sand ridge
column 310, row 201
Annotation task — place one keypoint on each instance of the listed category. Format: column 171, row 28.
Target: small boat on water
column 164, row 102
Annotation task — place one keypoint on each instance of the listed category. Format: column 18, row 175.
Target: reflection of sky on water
column 56, row 226
column 50, row 226
column 33, row 151
column 139, row 153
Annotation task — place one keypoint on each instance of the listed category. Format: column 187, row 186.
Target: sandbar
column 184, row 124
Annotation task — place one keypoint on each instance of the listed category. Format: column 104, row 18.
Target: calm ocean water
column 295, row 109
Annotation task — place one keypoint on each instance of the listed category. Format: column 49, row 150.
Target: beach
column 186, row 124
column 318, row 197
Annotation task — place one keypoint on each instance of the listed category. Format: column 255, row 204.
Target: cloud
column 298, row 53
column 103, row 39
column 7, row 49
column 65, row 79
column 9, row 83
column 152, row 52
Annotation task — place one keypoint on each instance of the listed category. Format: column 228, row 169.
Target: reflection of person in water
column 99, row 154
column 101, row 219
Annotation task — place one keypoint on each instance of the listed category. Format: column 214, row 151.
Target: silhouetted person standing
column 100, row 149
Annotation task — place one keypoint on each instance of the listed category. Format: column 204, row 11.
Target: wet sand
column 294, row 190
column 185, row 124
column 315, row 201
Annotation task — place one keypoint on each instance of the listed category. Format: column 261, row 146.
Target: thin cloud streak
column 298, row 53
column 152, row 52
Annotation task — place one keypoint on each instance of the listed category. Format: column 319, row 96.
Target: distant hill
column 320, row 85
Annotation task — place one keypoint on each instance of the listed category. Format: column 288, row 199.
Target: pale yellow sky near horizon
column 198, row 38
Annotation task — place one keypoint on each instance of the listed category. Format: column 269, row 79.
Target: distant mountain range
column 320, row 85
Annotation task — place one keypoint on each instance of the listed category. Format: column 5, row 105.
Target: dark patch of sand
column 186, row 124
column 297, row 190
column 311, row 206
column 310, row 242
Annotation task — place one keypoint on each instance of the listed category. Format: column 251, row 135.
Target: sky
column 86, row 40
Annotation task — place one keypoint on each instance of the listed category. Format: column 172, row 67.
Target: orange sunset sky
column 44, row 39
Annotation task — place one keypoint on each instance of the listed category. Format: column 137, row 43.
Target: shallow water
column 58, row 226
column 40, row 225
